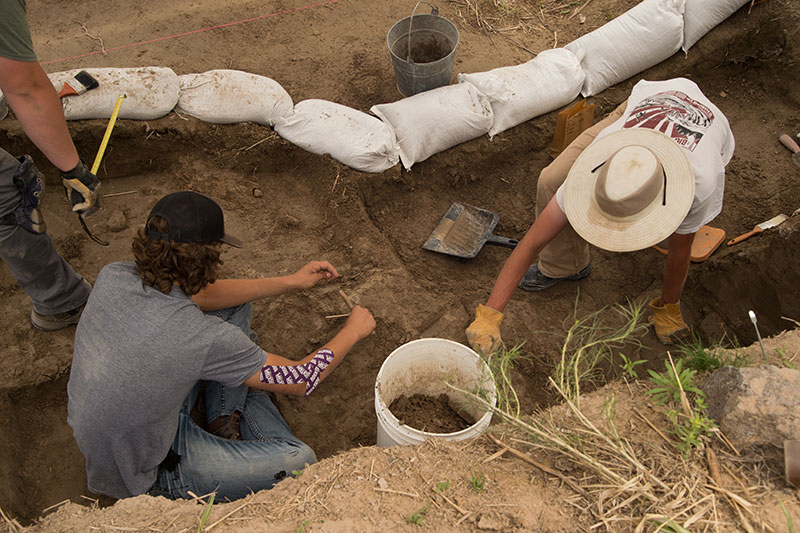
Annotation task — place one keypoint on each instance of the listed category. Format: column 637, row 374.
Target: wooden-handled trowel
column 789, row 143
column 771, row 223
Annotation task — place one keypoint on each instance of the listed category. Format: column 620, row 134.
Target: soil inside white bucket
column 432, row 414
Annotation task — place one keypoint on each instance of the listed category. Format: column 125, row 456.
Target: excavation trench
column 291, row 206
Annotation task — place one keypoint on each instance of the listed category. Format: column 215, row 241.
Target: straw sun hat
column 615, row 196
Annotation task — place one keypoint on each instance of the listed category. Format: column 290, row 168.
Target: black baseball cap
column 192, row 217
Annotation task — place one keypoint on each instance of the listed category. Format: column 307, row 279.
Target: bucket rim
column 423, row 15
column 383, row 409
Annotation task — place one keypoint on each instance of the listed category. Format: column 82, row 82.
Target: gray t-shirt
column 15, row 36
column 138, row 353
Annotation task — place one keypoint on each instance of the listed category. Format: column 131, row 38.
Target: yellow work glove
column 484, row 332
column 668, row 321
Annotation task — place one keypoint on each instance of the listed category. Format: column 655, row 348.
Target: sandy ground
column 372, row 226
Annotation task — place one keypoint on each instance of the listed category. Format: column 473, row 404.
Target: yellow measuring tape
column 98, row 158
column 107, row 135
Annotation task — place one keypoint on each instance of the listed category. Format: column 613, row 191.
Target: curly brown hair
column 162, row 264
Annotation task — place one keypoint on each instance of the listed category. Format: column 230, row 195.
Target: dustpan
column 706, row 240
column 463, row 231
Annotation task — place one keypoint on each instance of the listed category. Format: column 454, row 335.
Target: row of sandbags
column 414, row 128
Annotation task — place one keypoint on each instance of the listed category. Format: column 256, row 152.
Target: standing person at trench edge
column 153, row 331
column 56, row 291
column 654, row 169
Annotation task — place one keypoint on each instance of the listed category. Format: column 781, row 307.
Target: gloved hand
column 82, row 188
column 484, row 332
column 668, row 321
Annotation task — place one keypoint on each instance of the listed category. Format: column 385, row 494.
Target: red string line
column 189, row 32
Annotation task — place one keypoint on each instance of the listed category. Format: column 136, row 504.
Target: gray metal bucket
column 425, row 61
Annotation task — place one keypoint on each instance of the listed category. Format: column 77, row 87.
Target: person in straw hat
column 654, row 169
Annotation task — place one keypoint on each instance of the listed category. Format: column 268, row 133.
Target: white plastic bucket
column 425, row 366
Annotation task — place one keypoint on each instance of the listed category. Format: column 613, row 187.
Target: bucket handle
column 434, row 11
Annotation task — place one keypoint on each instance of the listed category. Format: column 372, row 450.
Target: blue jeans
column 267, row 453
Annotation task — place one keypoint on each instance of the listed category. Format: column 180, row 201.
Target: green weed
column 501, row 363
column 673, row 387
column 477, row 481
column 668, row 526
column 418, row 517
column 629, row 366
column 297, row 473
column 589, row 341
column 787, row 362
column 206, row 513
column 302, row 527
column 789, row 523
column 670, row 384
column 442, row 486
column 708, row 358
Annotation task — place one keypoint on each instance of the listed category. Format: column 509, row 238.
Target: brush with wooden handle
column 771, row 223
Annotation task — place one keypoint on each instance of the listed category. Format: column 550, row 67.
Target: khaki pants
column 568, row 253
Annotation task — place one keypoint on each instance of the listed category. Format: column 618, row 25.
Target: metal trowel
column 463, row 231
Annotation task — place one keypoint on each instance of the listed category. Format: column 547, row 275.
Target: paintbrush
column 78, row 84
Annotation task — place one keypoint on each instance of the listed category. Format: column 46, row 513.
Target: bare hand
column 311, row 273
column 361, row 321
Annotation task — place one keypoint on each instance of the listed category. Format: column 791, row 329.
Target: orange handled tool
column 771, row 223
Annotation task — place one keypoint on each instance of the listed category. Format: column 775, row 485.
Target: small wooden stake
column 347, row 299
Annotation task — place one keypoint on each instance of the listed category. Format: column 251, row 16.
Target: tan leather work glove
column 668, row 322
column 484, row 332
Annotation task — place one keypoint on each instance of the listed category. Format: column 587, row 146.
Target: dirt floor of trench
column 291, row 206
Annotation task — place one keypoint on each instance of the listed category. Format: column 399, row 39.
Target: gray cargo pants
column 46, row 278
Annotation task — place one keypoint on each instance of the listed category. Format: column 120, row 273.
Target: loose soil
column 428, row 413
column 372, row 227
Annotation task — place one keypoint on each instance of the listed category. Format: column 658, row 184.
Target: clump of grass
column 501, row 363
column 589, row 342
column 418, row 517
column 700, row 357
column 785, row 360
column 477, row 481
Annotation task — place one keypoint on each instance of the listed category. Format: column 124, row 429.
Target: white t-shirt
column 680, row 110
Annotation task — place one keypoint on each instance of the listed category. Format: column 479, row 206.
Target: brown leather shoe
column 226, row 427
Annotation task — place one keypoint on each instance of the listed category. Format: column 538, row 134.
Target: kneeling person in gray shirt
column 154, row 332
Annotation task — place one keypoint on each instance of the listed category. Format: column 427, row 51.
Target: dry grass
column 634, row 486
column 515, row 19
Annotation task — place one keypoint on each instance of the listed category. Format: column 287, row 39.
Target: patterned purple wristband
column 308, row 373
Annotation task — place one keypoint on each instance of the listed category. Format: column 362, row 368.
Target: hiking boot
column 56, row 322
column 534, row 280
column 226, row 427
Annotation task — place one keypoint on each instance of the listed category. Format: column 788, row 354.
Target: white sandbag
column 702, row 15
column 435, row 120
column 229, row 96
column 641, row 37
column 352, row 137
column 151, row 92
column 519, row 93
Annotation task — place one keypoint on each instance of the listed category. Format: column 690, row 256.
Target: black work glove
column 82, row 189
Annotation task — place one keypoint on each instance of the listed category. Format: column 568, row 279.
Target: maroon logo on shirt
column 674, row 114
